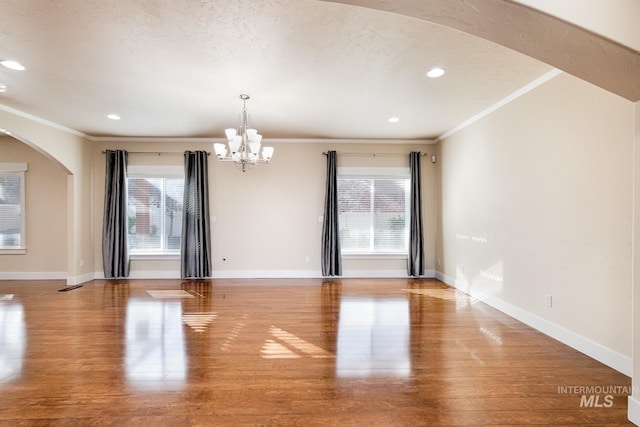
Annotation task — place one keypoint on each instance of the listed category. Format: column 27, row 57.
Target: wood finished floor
column 356, row 352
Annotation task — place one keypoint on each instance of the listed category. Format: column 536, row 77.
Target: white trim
column 83, row 278
column 168, row 256
column 162, row 274
column 373, row 256
column 350, row 141
column 159, row 139
column 611, row 358
column 13, row 167
column 37, row 275
column 17, row 170
column 266, row 274
column 373, row 172
column 272, row 274
column 515, row 95
column 213, row 140
column 13, row 251
column 633, row 410
column 43, row 121
column 400, row 274
column 152, row 171
column 264, row 140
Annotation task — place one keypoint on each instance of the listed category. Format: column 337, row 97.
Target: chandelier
column 243, row 144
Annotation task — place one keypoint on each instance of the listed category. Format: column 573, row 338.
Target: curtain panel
column 195, row 253
column 331, row 256
column 115, row 248
column 415, row 265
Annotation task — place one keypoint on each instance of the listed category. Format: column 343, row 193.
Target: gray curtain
column 195, row 250
column 415, row 266
column 331, row 257
column 115, row 248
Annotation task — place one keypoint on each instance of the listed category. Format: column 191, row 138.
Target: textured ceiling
column 593, row 56
column 314, row 69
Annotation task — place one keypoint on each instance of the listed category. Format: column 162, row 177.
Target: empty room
column 319, row 212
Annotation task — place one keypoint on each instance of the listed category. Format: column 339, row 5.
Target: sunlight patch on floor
column 199, row 322
column 170, row 294
column 287, row 346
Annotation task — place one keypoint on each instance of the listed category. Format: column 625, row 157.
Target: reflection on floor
column 373, row 338
column 288, row 346
column 374, row 352
column 199, row 322
column 170, row 294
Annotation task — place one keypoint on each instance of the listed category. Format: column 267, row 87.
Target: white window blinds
column 12, row 218
column 372, row 214
column 155, row 214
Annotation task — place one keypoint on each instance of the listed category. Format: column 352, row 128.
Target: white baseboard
column 272, row 274
column 400, row 274
column 633, row 410
column 265, row 274
column 83, row 278
column 311, row 274
column 39, row 275
column 163, row 274
column 602, row 354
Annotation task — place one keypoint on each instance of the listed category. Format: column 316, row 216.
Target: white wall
column 266, row 220
column 536, row 201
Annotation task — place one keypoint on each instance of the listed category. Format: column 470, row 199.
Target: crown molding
column 515, row 95
column 42, row 121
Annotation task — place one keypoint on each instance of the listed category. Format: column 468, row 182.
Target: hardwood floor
column 350, row 352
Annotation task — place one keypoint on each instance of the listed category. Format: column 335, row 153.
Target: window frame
column 156, row 172
column 373, row 173
column 17, row 169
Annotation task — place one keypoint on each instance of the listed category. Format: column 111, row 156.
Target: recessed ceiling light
column 435, row 72
column 394, row 119
column 113, row 117
column 12, row 65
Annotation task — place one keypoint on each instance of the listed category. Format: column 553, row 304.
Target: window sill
column 16, row 251
column 153, row 257
column 377, row 256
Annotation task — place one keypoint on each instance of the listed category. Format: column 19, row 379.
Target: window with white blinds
column 154, row 214
column 373, row 213
column 12, row 211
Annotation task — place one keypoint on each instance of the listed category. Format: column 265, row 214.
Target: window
column 154, row 214
column 12, row 213
column 373, row 213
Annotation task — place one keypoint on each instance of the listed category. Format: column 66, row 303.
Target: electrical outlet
column 548, row 300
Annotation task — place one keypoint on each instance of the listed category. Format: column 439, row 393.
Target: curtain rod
column 158, row 153
column 372, row 154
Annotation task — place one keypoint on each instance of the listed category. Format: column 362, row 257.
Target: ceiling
column 314, row 69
